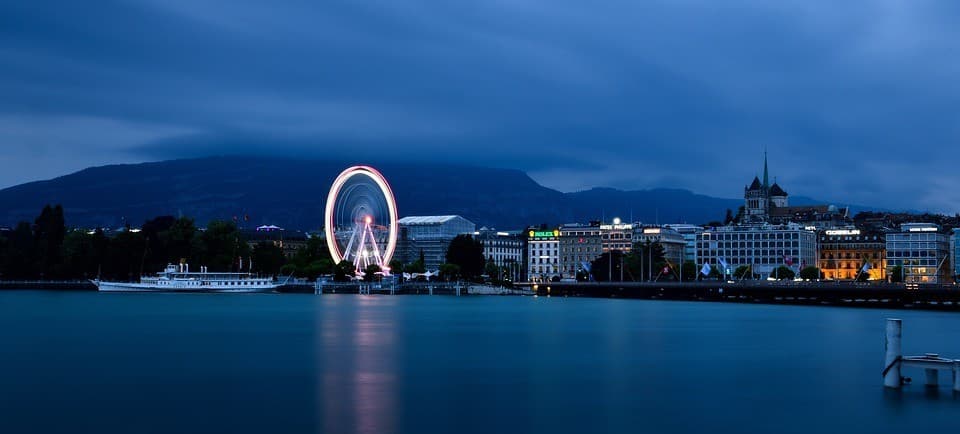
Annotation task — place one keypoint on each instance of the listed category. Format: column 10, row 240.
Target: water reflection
column 357, row 353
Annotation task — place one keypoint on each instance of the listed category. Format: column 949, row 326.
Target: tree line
column 46, row 249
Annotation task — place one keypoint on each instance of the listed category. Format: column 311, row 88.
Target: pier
column 913, row 296
column 931, row 363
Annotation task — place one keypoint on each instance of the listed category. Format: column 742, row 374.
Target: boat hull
column 139, row 287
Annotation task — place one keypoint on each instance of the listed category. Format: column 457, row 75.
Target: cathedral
column 761, row 198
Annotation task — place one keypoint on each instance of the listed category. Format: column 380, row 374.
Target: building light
column 843, row 232
column 651, row 231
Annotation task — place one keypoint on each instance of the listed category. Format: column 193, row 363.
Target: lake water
column 164, row 363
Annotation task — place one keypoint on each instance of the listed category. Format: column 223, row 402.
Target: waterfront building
column 503, row 248
column 543, row 255
column 921, row 250
column 689, row 234
column 616, row 236
column 672, row 241
column 288, row 241
column 764, row 247
column 847, row 253
column 431, row 236
column 580, row 244
column 955, row 253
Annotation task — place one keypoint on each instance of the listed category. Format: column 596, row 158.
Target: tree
column 396, row 267
column 690, row 271
column 467, row 253
column 492, row 270
column 896, row 274
column 370, row 273
column 783, row 273
column 49, row 232
column 811, row 273
column 729, row 217
column 604, row 270
column 415, row 267
column 742, row 272
column 312, row 260
column 644, row 261
column 267, row 258
column 583, row 276
column 221, row 246
column 20, row 260
column 344, row 271
column 449, row 272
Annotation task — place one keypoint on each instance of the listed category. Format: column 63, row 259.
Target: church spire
column 766, row 179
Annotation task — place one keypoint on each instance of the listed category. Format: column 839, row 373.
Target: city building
column 763, row 247
column 765, row 203
column 689, row 234
column 430, row 236
column 579, row 245
column 759, row 197
column 288, row 241
column 845, row 253
column 616, row 236
column 543, row 255
column 955, row 253
column 503, row 248
column 922, row 251
column 672, row 241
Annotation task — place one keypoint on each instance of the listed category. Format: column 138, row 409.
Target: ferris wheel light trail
column 362, row 247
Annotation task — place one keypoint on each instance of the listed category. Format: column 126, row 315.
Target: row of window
column 835, row 265
column 747, row 253
column 747, row 244
column 754, row 236
column 848, row 255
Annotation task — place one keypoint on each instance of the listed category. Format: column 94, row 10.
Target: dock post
column 956, row 375
column 932, row 377
column 891, row 372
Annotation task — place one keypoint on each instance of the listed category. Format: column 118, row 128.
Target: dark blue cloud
column 855, row 101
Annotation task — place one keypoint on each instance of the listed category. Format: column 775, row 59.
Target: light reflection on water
column 356, row 365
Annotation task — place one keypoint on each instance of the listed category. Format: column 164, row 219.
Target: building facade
column 503, row 248
column 616, row 236
column 673, row 243
column 689, row 234
column 850, row 253
column 955, row 254
column 579, row 246
column 763, row 247
column 431, row 236
column 922, row 250
column 543, row 255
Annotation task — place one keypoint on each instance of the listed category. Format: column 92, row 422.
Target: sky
column 855, row 101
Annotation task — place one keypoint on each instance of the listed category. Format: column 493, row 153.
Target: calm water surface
column 164, row 363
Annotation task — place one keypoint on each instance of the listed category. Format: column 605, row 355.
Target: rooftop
column 427, row 220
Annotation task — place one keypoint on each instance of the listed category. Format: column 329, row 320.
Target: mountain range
column 291, row 193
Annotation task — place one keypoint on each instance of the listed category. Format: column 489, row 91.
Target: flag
column 723, row 263
column 866, row 267
column 787, row 260
column 705, row 270
column 666, row 270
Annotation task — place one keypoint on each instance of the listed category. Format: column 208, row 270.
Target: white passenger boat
column 178, row 278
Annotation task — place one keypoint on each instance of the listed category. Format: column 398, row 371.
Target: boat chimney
column 187, row 268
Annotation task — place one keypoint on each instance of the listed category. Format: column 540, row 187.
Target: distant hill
column 291, row 193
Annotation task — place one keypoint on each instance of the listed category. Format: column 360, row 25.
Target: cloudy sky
column 857, row 101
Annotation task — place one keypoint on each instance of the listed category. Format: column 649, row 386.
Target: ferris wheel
column 360, row 219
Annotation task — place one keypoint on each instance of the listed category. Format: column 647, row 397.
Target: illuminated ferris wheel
column 360, row 220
